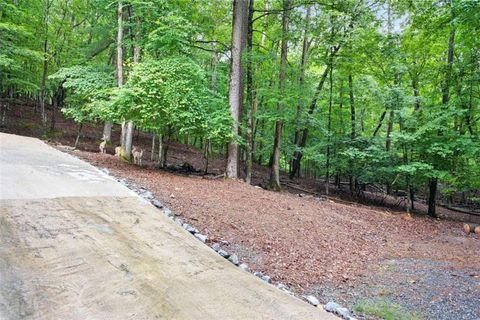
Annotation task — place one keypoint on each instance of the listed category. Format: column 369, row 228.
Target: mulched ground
column 344, row 252
column 336, row 251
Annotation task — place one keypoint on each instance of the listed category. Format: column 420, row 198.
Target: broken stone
column 234, row 259
column 267, row 279
column 191, row 229
column 258, row 274
column 343, row 312
column 201, row 237
column 157, row 203
column 244, row 267
column 168, row 212
column 224, row 253
column 179, row 221
column 281, row 286
column 216, row 247
column 332, row 306
column 312, row 300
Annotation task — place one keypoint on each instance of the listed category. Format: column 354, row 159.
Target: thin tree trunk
column 235, row 94
column 44, row 84
column 301, row 81
column 445, row 99
column 250, row 101
column 275, row 168
column 152, row 153
column 352, row 125
column 161, row 160
column 380, row 122
column 79, row 132
column 329, row 128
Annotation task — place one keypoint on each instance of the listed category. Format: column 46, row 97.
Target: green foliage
column 171, row 93
column 88, row 91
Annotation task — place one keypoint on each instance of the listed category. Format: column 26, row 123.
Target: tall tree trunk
column 44, row 82
column 353, row 125
column 250, row 101
column 301, row 81
column 136, row 59
column 275, row 168
column 445, row 99
column 235, row 94
column 329, row 129
column 107, row 129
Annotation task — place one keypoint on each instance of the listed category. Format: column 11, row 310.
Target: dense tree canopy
column 383, row 93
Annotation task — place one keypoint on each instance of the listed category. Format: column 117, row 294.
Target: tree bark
column 329, row 128
column 275, row 168
column 78, row 135
column 250, row 101
column 301, row 81
column 445, row 99
column 152, row 152
column 136, row 59
column 235, row 94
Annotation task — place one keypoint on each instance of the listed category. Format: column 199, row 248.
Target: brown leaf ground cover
column 345, row 252
column 309, row 243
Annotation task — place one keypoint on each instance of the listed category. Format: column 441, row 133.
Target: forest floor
column 349, row 253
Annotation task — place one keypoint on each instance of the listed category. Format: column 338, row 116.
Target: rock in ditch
column 147, row 195
column 216, row 247
column 244, row 267
column 258, row 274
column 234, row 259
column 343, row 312
column 332, row 306
column 282, row 287
column 312, row 300
column 157, row 203
column 191, row 229
column 267, row 279
column 168, row 212
column 201, row 237
column 179, row 221
column 224, row 253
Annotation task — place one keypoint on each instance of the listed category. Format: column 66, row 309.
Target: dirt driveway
column 75, row 244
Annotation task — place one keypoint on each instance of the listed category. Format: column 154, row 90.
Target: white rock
column 234, row 259
column 267, row 279
column 258, row 274
column 216, row 247
column 343, row 312
column 201, row 237
column 332, row 306
column 224, row 253
column 312, row 300
column 244, row 267
column 157, row 203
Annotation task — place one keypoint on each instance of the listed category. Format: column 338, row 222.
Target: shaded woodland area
column 356, row 95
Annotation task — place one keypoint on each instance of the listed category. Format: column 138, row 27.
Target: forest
column 367, row 94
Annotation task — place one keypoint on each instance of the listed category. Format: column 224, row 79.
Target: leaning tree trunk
column 302, row 137
column 301, row 81
column 235, row 93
